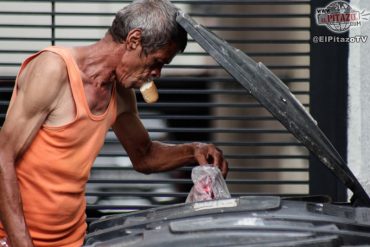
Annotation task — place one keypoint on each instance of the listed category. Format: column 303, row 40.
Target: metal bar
column 213, row 15
column 203, row 2
column 265, row 28
column 233, row 143
column 231, row 156
column 140, row 194
column 6, row 90
column 235, row 15
column 199, row 66
column 181, row 194
column 53, row 38
column 224, row 28
column 190, row 92
column 189, row 181
column 186, row 53
column 193, row 79
column 192, row 104
column 219, row 130
column 57, row 13
column 53, row 23
column 48, row 39
column 248, row 144
column 200, row 117
column 212, row 91
column 173, row 194
column 252, row 54
column 55, row 26
column 200, row 104
column 220, row 79
column 121, row 207
column 187, row 168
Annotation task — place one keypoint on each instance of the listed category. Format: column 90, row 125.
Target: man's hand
column 210, row 154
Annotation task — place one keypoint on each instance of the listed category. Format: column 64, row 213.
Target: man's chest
column 90, row 99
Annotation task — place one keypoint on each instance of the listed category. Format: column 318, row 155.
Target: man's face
column 136, row 68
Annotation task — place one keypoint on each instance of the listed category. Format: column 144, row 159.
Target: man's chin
column 137, row 84
column 129, row 84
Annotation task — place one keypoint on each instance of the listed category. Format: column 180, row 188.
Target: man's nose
column 155, row 73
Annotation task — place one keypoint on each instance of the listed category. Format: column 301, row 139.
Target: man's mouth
column 143, row 81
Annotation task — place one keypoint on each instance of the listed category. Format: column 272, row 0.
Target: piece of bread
column 149, row 92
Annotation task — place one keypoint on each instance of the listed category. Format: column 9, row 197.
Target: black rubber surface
column 244, row 221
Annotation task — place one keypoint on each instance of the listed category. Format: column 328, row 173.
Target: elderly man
column 64, row 101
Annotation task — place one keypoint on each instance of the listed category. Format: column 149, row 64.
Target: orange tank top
column 53, row 172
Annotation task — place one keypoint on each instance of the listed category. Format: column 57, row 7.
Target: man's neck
column 97, row 62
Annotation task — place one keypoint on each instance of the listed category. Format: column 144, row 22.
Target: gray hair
column 157, row 21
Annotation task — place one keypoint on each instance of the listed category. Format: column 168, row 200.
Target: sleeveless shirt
column 53, row 172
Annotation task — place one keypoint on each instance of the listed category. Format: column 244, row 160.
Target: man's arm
column 150, row 156
column 35, row 99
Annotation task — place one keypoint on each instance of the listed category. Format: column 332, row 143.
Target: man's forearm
column 162, row 157
column 11, row 212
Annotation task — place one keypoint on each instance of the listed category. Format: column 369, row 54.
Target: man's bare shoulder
column 43, row 79
column 46, row 64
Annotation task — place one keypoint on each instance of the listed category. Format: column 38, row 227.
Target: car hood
column 276, row 97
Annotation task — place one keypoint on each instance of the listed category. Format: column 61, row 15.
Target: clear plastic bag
column 208, row 184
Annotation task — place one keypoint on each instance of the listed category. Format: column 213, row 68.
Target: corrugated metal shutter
column 198, row 100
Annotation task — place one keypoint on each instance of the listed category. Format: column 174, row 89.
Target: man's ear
column 133, row 39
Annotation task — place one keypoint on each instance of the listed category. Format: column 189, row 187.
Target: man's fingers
column 210, row 154
column 218, row 160
column 202, row 160
column 221, row 164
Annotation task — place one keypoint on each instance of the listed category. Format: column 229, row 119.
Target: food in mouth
column 149, row 92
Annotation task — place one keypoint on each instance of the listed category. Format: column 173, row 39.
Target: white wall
column 359, row 102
